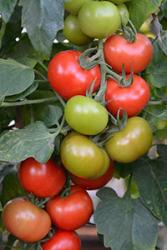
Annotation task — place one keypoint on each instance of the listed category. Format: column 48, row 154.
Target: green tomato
column 161, row 124
column 73, row 32
column 73, row 6
column 123, row 10
column 119, row 1
column 133, row 141
column 99, row 19
column 83, row 158
column 85, row 115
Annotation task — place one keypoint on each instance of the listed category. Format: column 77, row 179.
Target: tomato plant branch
column 40, row 74
column 2, row 32
column 43, row 66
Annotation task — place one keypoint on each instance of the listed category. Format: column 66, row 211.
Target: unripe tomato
column 41, row 179
column 131, row 142
column 99, row 19
column 73, row 32
column 119, row 1
column 82, row 157
column 73, row 6
column 85, row 115
column 72, row 211
column 26, row 221
column 124, row 13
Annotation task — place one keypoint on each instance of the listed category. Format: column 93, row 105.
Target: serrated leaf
column 141, row 10
column 14, row 77
column 151, row 178
column 42, row 20
column 32, row 141
column 125, row 223
column 7, row 8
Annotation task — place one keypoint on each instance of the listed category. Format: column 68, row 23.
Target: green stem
column 160, row 102
column 58, row 131
column 43, row 66
column 41, row 75
column 2, row 32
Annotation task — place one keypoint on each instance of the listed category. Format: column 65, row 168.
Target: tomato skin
column 96, row 183
column 132, row 99
column 81, row 157
column 68, row 78
column 71, row 212
column 131, row 142
column 63, row 240
column 85, row 115
column 99, row 19
column 73, row 6
column 73, row 32
column 41, row 179
column 26, row 221
column 135, row 56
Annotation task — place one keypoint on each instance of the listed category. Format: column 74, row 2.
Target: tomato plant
column 72, row 211
column 43, row 180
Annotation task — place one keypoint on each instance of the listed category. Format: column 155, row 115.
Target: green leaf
column 14, row 77
column 42, row 19
column 7, row 8
column 162, row 41
column 141, row 10
column 151, row 178
column 125, row 223
column 32, row 141
column 156, row 72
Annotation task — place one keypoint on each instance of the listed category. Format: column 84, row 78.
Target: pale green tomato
column 73, row 6
column 119, row 1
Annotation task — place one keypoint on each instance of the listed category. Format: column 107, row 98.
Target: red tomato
column 41, row 179
column 26, row 221
column 96, row 183
column 135, row 56
column 71, row 212
column 132, row 98
column 68, row 78
column 63, row 240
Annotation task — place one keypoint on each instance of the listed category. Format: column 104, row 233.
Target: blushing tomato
column 68, row 78
column 99, row 19
column 132, row 99
column 82, row 157
column 85, row 115
column 96, row 183
column 135, row 56
column 73, row 6
column 26, row 221
column 41, row 179
column 131, row 142
column 63, row 240
column 71, row 212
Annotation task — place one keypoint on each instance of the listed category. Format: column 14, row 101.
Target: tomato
column 63, row 240
column 26, row 221
column 99, row 19
column 73, row 6
column 119, row 1
column 123, row 10
column 68, row 78
column 132, row 99
column 82, row 157
column 71, row 212
column 41, row 179
column 96, row 183
column 135, row 56
column 131, row 142
column 85, row 115
column 161, row 124
column 73, row 32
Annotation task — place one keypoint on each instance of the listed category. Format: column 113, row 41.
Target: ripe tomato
column 135, row 56
column 132, row 99
column 85, row 115
column 82, row 157
column 73, row 6
column 96, row 183
column 99, row 19
column 68, row 78
column 73, row 32
column 41, row 179
column 71, row 212
column 63, row 240
column 26, row 221
column 131, row 142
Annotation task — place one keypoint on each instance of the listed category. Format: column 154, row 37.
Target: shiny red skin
column 66, row 76
column 71, row 212
column 63, row 240
column 95, row 183
column 41, row 179
column 132, row 99
column 135, row 56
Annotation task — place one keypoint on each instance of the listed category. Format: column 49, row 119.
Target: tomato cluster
column 97, row 99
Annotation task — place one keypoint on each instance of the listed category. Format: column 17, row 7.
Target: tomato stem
column 2, row 32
